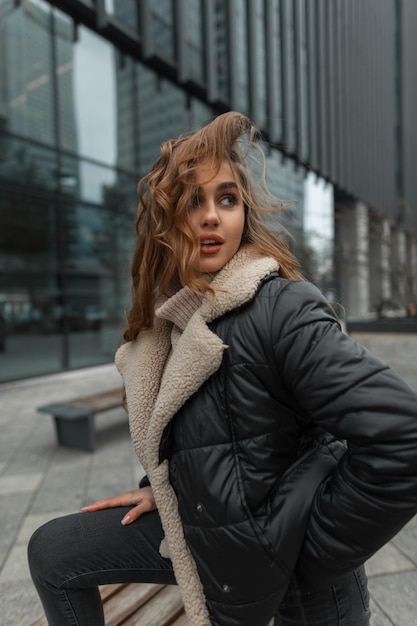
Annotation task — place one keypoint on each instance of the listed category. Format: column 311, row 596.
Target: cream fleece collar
column 155, row 393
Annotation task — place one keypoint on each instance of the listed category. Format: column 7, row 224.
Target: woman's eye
column 229, row 200
column 194, row 202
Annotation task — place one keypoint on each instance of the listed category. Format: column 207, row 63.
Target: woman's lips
column 204, row 249
column 210, row 244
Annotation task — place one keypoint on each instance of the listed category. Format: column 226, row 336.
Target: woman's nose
column 210, row 214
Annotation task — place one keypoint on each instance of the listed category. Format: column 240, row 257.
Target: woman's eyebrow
column 227, row 185
column 221, row 186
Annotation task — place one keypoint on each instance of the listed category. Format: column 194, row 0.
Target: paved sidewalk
column 39, row 480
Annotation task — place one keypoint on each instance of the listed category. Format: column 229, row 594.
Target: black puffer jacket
column 288, row 367
column 217, row 419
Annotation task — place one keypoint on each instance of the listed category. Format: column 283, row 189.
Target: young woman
column 231, row 360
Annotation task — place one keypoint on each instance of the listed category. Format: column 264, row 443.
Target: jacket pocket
column 284, row 518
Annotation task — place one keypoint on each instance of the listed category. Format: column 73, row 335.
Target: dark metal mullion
column 101, row 14
column 335, row 52
column 322, row 120
column 232, row 55
column 59, row 210
column 210, row 51
column 145, row 29
column 298, row 79
column 180, row 40
column 399, row 141
column 284, row 76
column 253, row 44
column 374, row 112
column 330, row 89
column 356, row 71
column 348, row 96
column 310, row 128
column 312, row 87
column 273, row 123
column 303, row 82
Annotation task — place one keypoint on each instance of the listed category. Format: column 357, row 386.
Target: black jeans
column 70, row 556
column 345, row 603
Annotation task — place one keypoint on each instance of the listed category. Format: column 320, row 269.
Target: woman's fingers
column 146, row 504
column 125, row 499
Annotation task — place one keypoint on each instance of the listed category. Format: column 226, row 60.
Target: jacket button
column 199, row 507
column 226, row 588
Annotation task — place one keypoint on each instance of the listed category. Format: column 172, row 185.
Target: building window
column 125, row 12
column 162, row 28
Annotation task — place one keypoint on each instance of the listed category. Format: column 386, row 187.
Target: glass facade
column 81, row 120
column 162, row 28
column 194, row 40
column 66, row 204
column 125, row 12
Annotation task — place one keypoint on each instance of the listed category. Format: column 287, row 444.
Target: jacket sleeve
column 340, row 386
column 144, row 482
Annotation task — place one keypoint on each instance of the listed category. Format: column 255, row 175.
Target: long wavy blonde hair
column 166, row 250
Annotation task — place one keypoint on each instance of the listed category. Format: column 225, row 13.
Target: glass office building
column 87, row 94
column 90, row 88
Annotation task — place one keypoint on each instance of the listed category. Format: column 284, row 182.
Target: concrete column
column 386, row 261
column 352, row 258
column 379, row 262
column 399, row 268
column 411, row 266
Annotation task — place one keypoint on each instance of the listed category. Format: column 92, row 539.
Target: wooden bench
column 74, row 420
column 140, row 604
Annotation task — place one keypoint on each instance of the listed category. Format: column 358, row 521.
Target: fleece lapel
column 197, row 355
column 155, row 393
column 141, row 364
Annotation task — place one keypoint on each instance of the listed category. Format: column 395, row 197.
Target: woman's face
column 217, row 217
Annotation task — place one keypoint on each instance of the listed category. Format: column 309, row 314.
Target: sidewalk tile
column 19, row 483
column 388, row 560
column 23, row 606
column 396, row 596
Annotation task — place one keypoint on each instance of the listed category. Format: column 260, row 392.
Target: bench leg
column 76, row 432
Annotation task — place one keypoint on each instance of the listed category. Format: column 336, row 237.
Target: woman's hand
column 142, row 501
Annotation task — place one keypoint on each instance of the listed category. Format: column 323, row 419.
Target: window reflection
column 29, row 284
column 99, row 274
column 125, row 11
column 163, row 114
column 64, row 262
column 260, row 60
column 127, row 114
column 26, row 97
column 86, row 78
column 195, row 40
column 89, row 122
column 273, row 59
column 162, row 28
column 288, row 93
column 93, row 181
column 200, row 114
column 240, row 23
column 222, row 61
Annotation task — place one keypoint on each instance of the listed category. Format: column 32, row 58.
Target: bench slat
column 107, row 591
column 128, row 601
column 182, row 621
column 122, row 601
column 164, row 608
column 40, row 622
column 101, row 401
